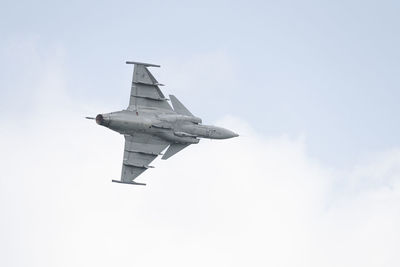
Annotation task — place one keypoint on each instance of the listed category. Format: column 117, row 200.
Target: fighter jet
column 150, row 125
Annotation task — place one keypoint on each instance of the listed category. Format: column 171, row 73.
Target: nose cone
column 221, row 133
column 229, row 134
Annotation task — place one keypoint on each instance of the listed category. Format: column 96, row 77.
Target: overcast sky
column 311, row 86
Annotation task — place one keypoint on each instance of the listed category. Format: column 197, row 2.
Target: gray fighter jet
column 150, row 125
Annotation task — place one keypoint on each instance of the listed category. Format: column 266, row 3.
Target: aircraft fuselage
column 170, row 126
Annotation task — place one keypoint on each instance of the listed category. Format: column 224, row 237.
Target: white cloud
column 251, row 201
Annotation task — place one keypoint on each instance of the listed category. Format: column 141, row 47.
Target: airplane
column 150, row 125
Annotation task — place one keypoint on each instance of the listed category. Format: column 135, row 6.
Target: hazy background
column 311, row 86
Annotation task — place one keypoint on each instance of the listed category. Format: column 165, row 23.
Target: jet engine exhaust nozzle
column 99, row 119
column 102, row 120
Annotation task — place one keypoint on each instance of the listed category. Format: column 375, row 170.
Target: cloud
column 254, row 200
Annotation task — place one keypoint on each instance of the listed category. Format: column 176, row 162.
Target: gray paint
column 150, row 125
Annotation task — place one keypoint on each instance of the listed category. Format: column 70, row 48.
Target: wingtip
column 132, row 183
column 142, row 63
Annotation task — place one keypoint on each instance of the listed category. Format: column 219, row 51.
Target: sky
column 312, row 87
